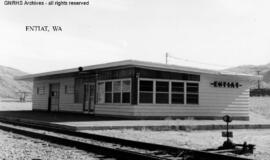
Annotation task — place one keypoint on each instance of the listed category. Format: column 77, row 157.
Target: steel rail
column 195, row 154
column 110, row 152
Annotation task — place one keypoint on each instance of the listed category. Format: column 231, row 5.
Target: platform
column 72, row 121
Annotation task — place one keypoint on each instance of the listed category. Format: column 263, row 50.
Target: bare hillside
column 251, row 69
column 8, row 86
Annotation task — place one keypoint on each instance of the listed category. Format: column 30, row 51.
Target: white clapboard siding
column 66, row 101
column 228, row 98
column 185, row 113
column 124, row 110
column 40, row 102
column 72, row 107
column 181, row 109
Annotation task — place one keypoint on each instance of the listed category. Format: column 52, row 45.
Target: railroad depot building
column 143, row 90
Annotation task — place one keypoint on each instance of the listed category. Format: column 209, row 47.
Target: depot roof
column 136, row 63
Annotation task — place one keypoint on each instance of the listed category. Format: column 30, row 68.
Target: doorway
column 89, row 98
column 54, row 97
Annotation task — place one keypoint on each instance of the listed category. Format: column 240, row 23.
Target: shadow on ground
column 55, row 116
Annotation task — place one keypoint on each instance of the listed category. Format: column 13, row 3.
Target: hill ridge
column 8, row 86
column 253, row 69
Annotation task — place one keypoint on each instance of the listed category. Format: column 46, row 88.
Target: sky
column 213, row 34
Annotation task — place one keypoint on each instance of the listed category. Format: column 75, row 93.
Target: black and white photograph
column 134, row 80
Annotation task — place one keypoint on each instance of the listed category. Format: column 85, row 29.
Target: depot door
column 54, row 97
column 89, row 98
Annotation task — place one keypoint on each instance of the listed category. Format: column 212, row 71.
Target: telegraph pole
column 259, row 85
column 167, row 57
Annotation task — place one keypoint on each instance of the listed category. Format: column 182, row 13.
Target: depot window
column 126, row 89
column 108, row 92
column 146, row 91
column 69, row 89
column 116, row 91
column 113, row 91
column 192, row 93
column 178, row 93
column 41, row 90
column 168, row 92
column 162, row 92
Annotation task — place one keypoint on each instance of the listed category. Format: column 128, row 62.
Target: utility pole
column 167, row 55
column 259, row 85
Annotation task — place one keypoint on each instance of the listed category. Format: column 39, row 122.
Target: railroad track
column 111, row 147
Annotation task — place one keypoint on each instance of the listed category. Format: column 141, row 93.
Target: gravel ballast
column 13, row 146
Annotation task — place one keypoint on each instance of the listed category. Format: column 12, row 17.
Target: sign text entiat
column 224, row 84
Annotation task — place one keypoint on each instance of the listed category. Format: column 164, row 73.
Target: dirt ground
column 15, row 106
column 260, row 105
column 259, row 112
column 197, row 139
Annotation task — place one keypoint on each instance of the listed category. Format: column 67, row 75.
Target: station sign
column 224, row 84
column 227, row 119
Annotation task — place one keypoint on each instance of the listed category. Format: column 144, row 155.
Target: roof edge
column 138, row 63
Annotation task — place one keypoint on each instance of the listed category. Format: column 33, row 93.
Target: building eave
column 136, row 63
